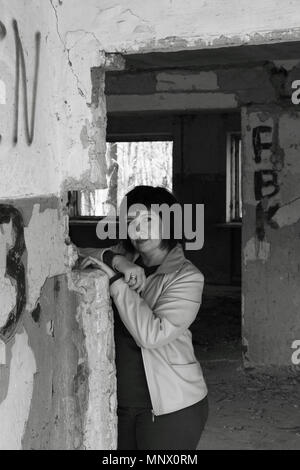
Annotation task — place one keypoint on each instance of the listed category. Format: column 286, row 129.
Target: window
column 129, row 164
column 234, row 177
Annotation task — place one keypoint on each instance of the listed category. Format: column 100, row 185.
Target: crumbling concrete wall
column 73, row 402
column 53, row 119
column 165, row 25
column 57, row 371
column 41, row 152
column 52, row 139
column 271, row 242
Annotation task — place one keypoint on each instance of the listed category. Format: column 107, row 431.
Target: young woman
column 156, row 294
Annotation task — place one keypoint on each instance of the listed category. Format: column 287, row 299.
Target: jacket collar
column 172, row 262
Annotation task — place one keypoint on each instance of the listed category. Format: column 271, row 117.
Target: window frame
column 231, row 217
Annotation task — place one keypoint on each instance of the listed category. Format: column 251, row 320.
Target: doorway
column 206, row 168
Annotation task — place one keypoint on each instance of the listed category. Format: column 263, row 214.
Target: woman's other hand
column 134, row 275
column 96, row 263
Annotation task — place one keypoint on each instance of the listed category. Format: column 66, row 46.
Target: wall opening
column 173, row 95
column 129, row 163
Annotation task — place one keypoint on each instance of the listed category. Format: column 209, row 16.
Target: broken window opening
column 129, row 164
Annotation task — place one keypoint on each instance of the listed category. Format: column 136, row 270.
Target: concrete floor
column 248, row 409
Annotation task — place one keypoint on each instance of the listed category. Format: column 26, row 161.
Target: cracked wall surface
column 175, row 25
column 55, row 160
column 47, row 101
column 271, row 241
column 94, row 316
column 53, row 140
column 73, row 404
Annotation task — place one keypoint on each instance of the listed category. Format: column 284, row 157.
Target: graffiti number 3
column 14, row 268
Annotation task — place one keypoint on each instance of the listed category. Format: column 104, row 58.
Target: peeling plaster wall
column 132, row 25
column 52, row 138
column 94, row 316
column 72, row 40
column 49, row 370
column 73, row 403
column 31, row 251
column 57, row 370
column 271, row 234
column 56, row 159
column 14, row 406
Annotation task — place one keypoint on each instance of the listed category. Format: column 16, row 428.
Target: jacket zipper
column 153, row 416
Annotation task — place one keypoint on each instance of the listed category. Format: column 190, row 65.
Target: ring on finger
column 133, row 277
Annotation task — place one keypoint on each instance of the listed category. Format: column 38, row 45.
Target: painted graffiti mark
column 14, row 268
column 36, row 313
column 21, row 70
column 2, row 31
column 265, row 181
column 2, row 84
column 258, row 145
column 264, row 216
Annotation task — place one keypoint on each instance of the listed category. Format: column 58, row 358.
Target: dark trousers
column 181, row 430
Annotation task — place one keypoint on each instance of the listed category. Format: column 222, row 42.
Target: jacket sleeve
column 98, row 252
column 173, row 313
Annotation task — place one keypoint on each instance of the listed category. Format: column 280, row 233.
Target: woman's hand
column 134, row 275
column 90, row 261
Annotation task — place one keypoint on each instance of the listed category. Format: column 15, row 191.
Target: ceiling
column 214, row 56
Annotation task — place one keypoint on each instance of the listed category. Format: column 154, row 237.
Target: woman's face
column 145, row 230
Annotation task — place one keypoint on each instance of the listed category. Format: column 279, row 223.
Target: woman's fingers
column 135, row 277
column 86, row 262
column 100, row 264
column 138, row 284
column 90, row 261
column 142, row 282
column 97, row 262
column 127, row 277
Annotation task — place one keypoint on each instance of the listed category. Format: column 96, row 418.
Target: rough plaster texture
column 73, row 39
column 57, row 374
column 272, row 263
column 45, row 241
column 70, row 400
column 62, row 108
column 50, row 369
column 132, row 25
column 18, row 385
column 45, row 255
column 7, row 287
column 94, row 315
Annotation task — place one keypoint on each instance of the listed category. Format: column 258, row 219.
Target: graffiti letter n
column 21, row 69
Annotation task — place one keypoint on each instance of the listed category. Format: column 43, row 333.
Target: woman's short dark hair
column 148, row 196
